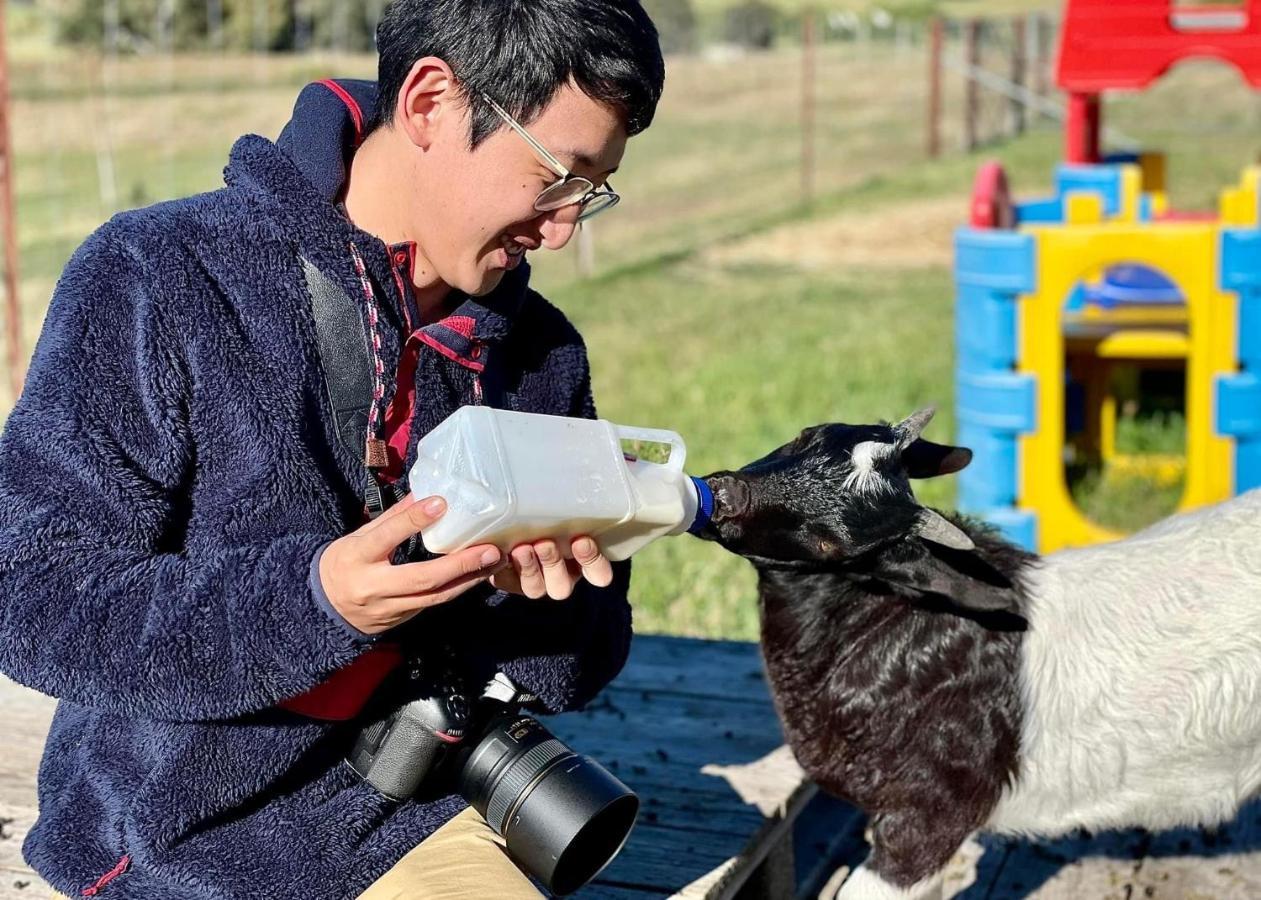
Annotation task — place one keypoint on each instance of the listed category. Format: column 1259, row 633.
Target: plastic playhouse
column 1073, row 306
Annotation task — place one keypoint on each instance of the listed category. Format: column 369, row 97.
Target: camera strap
column 342, row 336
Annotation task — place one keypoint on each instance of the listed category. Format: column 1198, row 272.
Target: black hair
column 521, row 52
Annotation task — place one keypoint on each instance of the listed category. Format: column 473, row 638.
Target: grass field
column 725, row 308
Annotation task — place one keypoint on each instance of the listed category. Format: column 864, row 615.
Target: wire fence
column 743, row 137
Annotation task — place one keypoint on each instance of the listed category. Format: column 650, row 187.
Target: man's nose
column 557, row 227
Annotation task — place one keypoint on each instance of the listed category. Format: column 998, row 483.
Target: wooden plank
column 17, row 880
column 609, row 892
column 689, row 725
column 728, row 669
column 27, row 715
column 655, row 858
column 709, row 798
column 1198, row 864
column 776, row 877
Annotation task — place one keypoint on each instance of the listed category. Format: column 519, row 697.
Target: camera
column 563, row 816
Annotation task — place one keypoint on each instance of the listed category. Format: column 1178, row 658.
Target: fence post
column 1041, row 56
column 1019, row 68
column 586, row 250
column 808, row 61
column 214, row 24
column 972, row 104
column 936, row 41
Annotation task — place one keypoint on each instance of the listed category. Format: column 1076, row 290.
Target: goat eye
column 826, row 547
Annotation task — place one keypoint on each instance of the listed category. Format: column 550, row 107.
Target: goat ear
column 960, row 577
column 924, row 459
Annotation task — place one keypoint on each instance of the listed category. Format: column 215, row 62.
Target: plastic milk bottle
column 511, row 477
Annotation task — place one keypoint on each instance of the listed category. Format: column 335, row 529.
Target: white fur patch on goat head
column 865, row 476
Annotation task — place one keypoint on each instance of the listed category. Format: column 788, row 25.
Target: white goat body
column 1141, row 678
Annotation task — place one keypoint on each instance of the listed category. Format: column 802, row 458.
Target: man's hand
column 539, row 570
column 374, row 595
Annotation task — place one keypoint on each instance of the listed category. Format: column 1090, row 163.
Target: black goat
column 945, row 681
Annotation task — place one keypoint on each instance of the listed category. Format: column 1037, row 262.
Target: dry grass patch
column 910, row 235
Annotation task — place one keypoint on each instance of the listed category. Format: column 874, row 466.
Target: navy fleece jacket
column 166, row 479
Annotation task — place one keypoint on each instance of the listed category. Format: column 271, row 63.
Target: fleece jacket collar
column 301, row 179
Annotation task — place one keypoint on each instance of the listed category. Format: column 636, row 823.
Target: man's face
column 479, row 218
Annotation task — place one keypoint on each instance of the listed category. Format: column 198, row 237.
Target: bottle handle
column 678, row 450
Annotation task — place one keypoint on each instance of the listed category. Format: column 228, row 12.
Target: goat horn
column 932, row 526
column 913, row 426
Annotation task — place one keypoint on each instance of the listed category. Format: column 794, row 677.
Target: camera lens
column 563, row 815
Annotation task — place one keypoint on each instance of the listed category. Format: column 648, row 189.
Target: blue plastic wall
column 1104, row 180
column 1239, row 396
column 995, row 403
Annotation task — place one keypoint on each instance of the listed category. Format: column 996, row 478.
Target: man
column 185, row 556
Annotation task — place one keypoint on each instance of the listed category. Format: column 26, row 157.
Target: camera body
column 399, row 751
column 563, row 816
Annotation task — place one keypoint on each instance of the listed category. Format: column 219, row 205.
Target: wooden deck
column 689, row 726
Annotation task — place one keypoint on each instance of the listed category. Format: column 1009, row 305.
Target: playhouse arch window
column 1127, row 342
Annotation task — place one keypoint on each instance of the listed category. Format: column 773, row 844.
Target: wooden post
column 1019, row 69
column 214, row 24
column 8, row 221
column 972, row 105
column 1041, row 56
column 937, row 39
column 302, row 25
column 808, row 63
column 586, row 250
column 259, row 27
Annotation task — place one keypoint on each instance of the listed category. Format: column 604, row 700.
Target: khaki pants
column 462, row 860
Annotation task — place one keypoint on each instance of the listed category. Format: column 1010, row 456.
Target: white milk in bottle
column 511, row 477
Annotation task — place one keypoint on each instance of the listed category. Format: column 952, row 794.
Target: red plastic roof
column 1128, row 44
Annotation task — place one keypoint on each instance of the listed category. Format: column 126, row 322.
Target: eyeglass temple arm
column 525, row 135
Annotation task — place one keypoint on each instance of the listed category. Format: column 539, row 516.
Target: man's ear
column 427, row 93
column 960, row 577
column 924, row 459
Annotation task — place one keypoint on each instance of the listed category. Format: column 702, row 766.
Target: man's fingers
column 437, row 575
column 401, row 607
column 556, row 576
column 595, row 568
column 392, row 530
column 529, row 572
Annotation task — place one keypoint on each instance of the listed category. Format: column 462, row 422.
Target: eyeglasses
column 571, row 189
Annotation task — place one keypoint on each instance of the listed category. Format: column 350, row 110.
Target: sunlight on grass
column 1146, row 482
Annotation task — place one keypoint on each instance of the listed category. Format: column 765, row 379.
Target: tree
column 751, row 24
column 260, row 25
column 676, row 23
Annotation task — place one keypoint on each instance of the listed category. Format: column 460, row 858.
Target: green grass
column 1125, row 502
column 739, row 357
column 1161, row 433
column 738, row 360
